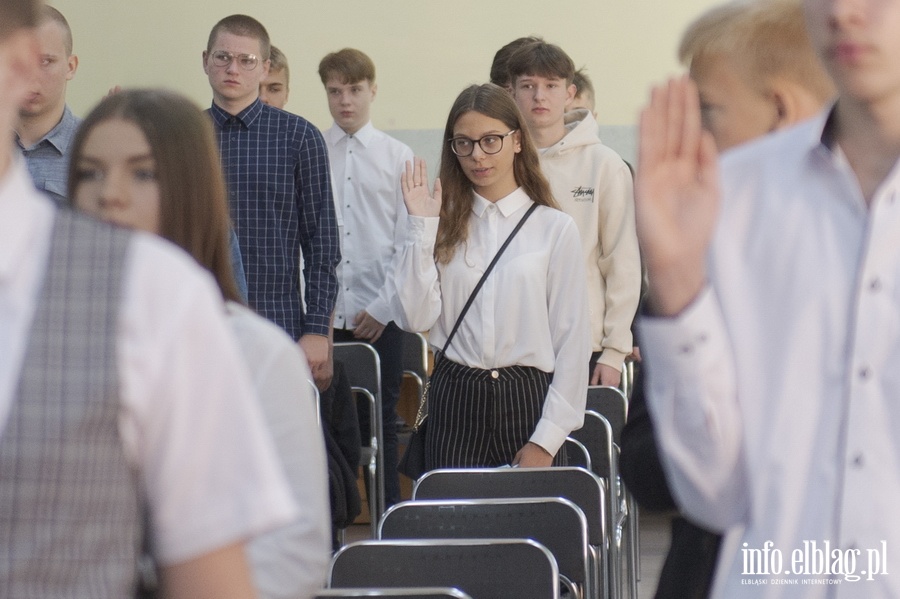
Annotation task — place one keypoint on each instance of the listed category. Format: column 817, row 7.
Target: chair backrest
column 318, row 399
column 556, row 523
column 363, row 368
column 578, row 455
column 415, row 355
column 362, row 365
column 610, row 403
column 597, row 437
column 580, row 486
column 483, row 568
column 407, row 593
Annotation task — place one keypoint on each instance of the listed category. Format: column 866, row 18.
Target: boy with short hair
column 755, row 68
column 46, row 124
column 276, row 168
column 500, row 63
column 594, row 186
column 275, row 88
column 367, row 165
column 584, row 93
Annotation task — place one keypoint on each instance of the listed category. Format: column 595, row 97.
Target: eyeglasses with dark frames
column 490, row 144
column 221, row 58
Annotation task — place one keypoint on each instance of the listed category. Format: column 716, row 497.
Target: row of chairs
column 502, row 532
column 596, row 443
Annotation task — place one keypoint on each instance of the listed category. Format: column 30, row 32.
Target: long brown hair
column 193, row 210
column 494, row 102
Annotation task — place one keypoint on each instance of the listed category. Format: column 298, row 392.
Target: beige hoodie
column 594, row 186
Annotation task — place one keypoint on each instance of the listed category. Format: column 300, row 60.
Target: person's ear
column 374, row 87
column 205, row 66
column 785, row 110
column 570, row 94
column 792, row 102
column 73, row 66
column 517, row 139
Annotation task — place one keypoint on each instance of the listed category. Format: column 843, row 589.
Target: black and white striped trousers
column 482, row 418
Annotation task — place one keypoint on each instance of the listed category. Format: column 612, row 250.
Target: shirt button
column 875, row 285
column 865, row 373
column 858, row 461
column 495, row 375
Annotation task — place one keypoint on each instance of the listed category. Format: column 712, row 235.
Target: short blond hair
column 278, row 62
column 763, row 38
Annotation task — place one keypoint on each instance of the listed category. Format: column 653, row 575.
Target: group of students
column 142, row 409
column 150, row 161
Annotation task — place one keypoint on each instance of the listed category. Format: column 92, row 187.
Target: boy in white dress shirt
column 772, row 336
column 367, row 164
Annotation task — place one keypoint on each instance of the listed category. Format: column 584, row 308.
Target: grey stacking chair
column 556, row 523
column 407, row 593
column 363, row 368
column 578, row 454
column 582, row 487
column 611, row 403
column 415, row 360
column 482, row 568
column 596, row 435
column 318, row 399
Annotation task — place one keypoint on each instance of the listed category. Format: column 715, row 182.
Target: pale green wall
column 426, row 51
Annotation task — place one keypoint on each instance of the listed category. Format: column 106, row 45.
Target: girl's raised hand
column 414, row 184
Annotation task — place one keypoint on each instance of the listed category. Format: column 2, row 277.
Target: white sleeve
column 570, row 333
column 190, row 417
column 692, row 398
column 619, row 262
column 381, row 308
column 416, row 276
column 291, row 561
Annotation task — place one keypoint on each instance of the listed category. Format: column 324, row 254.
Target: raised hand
column 414, row 184
column 676, row 195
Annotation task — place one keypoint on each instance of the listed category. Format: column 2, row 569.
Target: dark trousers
column 390, row 350
column 481, row 418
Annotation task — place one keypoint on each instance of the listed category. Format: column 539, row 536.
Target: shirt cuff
column 549, row 436
column 316, row 324
column 683, row 345
column 379, row 311
column 422, row 229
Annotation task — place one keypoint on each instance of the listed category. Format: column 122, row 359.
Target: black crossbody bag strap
column 484, row 277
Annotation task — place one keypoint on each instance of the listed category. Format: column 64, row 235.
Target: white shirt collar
column 364, row 135
column 507, row 205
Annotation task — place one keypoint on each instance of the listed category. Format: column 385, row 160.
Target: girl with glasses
column 513, row 380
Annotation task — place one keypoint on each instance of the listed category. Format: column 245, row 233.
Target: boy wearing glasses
column 276, row 168
column 367, row 165
column 592, row 184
